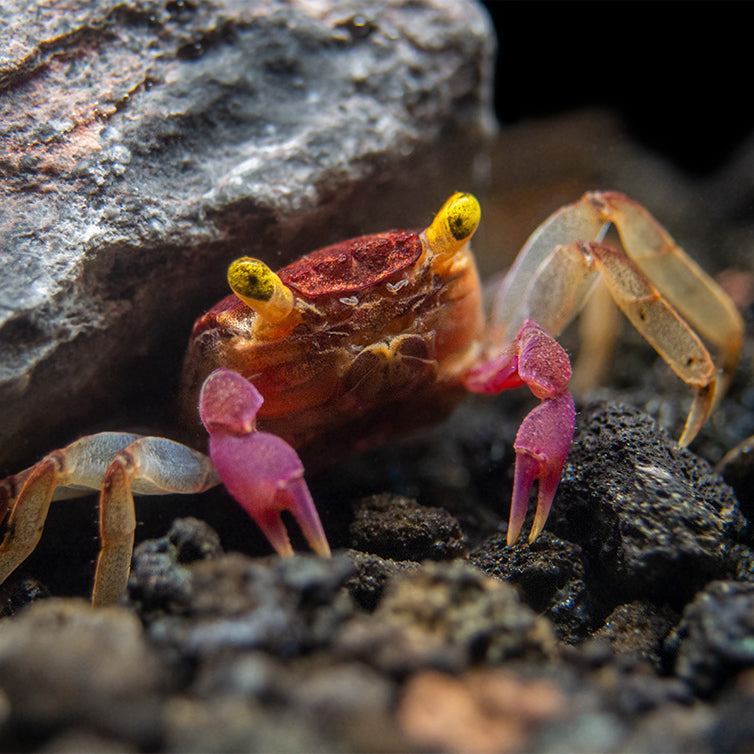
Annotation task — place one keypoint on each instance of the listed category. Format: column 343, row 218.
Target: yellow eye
column 454, row 224
column 260, row 288
column 463, row 214
column 250, row 278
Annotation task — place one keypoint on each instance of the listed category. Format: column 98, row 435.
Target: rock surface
column 640, row 505
column 65, row 665
column 397, row 528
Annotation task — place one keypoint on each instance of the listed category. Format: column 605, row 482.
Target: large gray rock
column 144, row 144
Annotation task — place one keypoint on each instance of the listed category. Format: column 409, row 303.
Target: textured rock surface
column 145, row 144
column 639, row 505
column 106, row 678
column 550, row 575
column 399, row 528
column 715, row 638
column 447, row 616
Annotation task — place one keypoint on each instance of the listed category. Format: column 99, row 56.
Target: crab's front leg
column 535, row 359
column 668, row 298
column 118, row 464
column 261, row 471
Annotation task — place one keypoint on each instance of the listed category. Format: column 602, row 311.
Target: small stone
column 447, row 616
column 373, row 574
column 18, row 594
column 194, row 540
column 285, row 606
column 65, row 663
column 715, row 638
column 549, row 574
column 638, row 628
column 397, row 527
column 481, row 711
column 652, row 519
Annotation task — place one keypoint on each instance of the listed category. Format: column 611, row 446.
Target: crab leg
column 663, row 328
column 652, row 262
column 531, row 273
column 119, row 463
column 693, row 293
column 149, row 465
column 259, row 469
column 537, row 360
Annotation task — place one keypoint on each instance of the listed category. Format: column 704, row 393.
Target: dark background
column 678, row 74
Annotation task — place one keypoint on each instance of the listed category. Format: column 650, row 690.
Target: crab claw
column 535, row 359
column 262, row 472
column 541, row 446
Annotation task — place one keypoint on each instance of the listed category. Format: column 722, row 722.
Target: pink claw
column 536, row 359
column 260, row 470
column 541, row 446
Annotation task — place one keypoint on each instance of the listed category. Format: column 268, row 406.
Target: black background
column 678, row 74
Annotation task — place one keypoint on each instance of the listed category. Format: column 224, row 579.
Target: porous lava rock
column 398, row 528
column 713, row 642
column 653, row 519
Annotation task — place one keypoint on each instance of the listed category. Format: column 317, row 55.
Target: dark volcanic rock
column 348, row 701
column 638, row 629
column 446, row 616
column 373, row 573
column 230, row 723
column 652, row 519
column 158, row 568
column 737, row 468
column 550, row 576
column 16, row 594
column 715, row 638
column 145, row 144
column 65, row 664
column 397, row 527
column 285, row 606
column 733, row 728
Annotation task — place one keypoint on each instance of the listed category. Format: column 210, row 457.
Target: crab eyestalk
column 453, row 225
column 261, row 289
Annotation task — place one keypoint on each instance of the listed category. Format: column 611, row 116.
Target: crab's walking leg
column 667, row 297
column 115, row 461
column 27, row 497
column 259, row 469
column 149, row 465
column 662, row 327
column 533, row 358
column 693, row 293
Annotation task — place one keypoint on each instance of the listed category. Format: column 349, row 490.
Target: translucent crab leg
column 261, row 471
column 682, row 283
column 574, row 222
column 154, row 465
column 28, row 511
column 149, row 465
column 665, row 295
column 693, row 293
column 695, row 296
column 568, row 274
column 28, row 494
column 668, row 333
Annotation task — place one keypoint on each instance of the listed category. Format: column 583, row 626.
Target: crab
column 357, row 341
